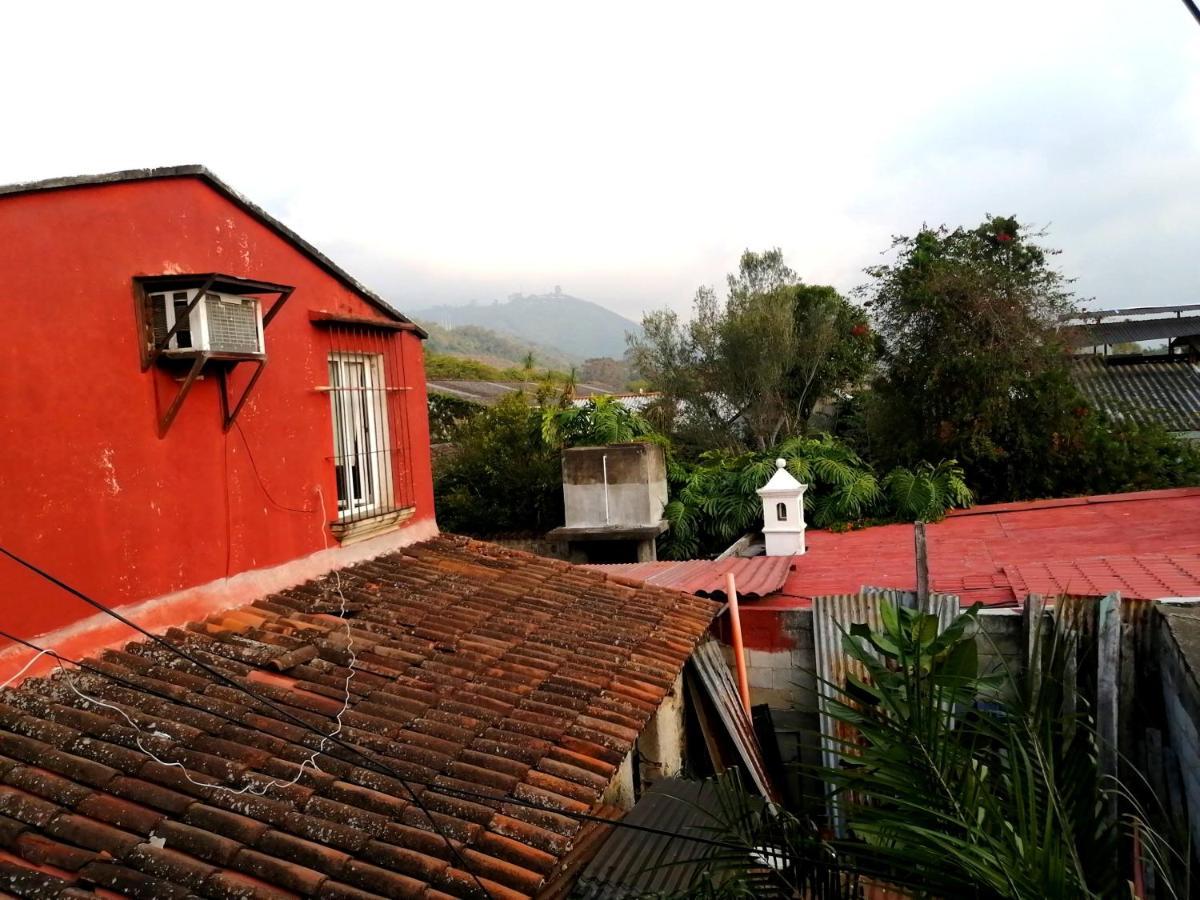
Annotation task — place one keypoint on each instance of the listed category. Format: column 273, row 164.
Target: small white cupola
column 783, row 512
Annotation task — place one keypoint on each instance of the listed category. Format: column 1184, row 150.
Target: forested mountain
column 500, row 350
column 575, row 328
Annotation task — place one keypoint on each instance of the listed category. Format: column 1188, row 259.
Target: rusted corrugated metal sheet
column 708, row 664
column 832, row 617
column 756, row 576
column 638, row 864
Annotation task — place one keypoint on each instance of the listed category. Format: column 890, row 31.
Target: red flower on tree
column 1004, row 238
column 859, row 330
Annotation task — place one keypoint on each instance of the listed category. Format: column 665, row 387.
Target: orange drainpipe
column 739, row 653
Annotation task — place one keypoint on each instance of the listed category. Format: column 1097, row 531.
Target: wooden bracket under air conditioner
column 153, row 349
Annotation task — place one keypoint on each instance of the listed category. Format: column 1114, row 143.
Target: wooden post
column 739, row 652
column 922, row 567
column 1032, row 624
column 1108, row 673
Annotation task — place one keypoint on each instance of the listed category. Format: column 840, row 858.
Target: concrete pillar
column 661, row 746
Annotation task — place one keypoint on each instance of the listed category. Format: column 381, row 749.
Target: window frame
column 351, row 406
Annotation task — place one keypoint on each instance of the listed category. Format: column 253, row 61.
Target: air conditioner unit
column 219, row 323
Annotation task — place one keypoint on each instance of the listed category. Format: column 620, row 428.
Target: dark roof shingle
column 519, row 681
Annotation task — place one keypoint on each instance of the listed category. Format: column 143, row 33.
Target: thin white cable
column 249, row 788
column 337, row 580
column 25, row 668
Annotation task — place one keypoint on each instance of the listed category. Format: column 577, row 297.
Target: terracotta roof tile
column 121, row 813
column 198, row 842
column 499, row 679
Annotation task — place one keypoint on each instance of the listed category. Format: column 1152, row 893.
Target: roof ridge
column 196, row 170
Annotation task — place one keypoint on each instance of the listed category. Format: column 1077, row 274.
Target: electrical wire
column 443, row 789
column 231, row 682
column 368, row 756
column 25, row 668
column 1193, row 9
column 258, row 476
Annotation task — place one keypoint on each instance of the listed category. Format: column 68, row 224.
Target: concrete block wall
column 621, row 484
column 784, row 678
column 1001, row 641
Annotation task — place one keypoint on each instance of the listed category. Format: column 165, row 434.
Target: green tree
column 505, row 474
column 502, row 476
column 747, row 370
column 975, row 366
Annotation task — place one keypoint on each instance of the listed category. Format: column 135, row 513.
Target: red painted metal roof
column 998, row 554
column 754, row 577
column 517, row 679
column 1137, row 577
column 1145, row 545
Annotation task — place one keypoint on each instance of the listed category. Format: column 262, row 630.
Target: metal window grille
column 370, row 424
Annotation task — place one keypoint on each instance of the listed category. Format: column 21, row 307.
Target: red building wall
column 89, row 490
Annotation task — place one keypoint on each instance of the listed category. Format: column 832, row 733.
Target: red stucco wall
column 89, row 491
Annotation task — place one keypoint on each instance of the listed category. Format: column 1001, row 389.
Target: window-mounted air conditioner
column 219, row 323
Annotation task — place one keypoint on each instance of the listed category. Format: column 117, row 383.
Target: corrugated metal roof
column 1135, row 311
column 708, row 663
column 970, row 550
column 1149, row 577
column 1162, row 393
column 1093, row 333
column 754, row 576
column 637, row 864
column 487, row 393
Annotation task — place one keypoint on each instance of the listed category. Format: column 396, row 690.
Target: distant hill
column 576, row 328
column 501, row 351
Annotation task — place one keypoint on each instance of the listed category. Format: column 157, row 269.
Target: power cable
column 258, row 476
column 368, row 756
column 1193, row 9
column 443, row 789
column 225, row 679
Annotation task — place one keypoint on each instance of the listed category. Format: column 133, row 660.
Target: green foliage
column 747, row 370
column 599, row 421
column 502, row 476
column 965, row 782
column 975, row 368
column 506, row 475
column 446, row 414
column 925, row 492
column 439, row 366
column 953, row 782
column 714, row 500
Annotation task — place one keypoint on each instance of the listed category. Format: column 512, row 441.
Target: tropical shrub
column 955, row 783
column 599, row 421
column 924, row 492
column 502, row 476
column 714, row 500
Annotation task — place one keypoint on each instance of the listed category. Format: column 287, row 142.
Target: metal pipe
column 739, row 652
column 604, row 465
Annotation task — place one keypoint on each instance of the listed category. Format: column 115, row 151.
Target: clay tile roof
column 515, row 679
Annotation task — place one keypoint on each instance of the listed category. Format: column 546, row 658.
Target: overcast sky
column 629, row 152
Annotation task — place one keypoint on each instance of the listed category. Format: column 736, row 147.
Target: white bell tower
column 783, row 512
